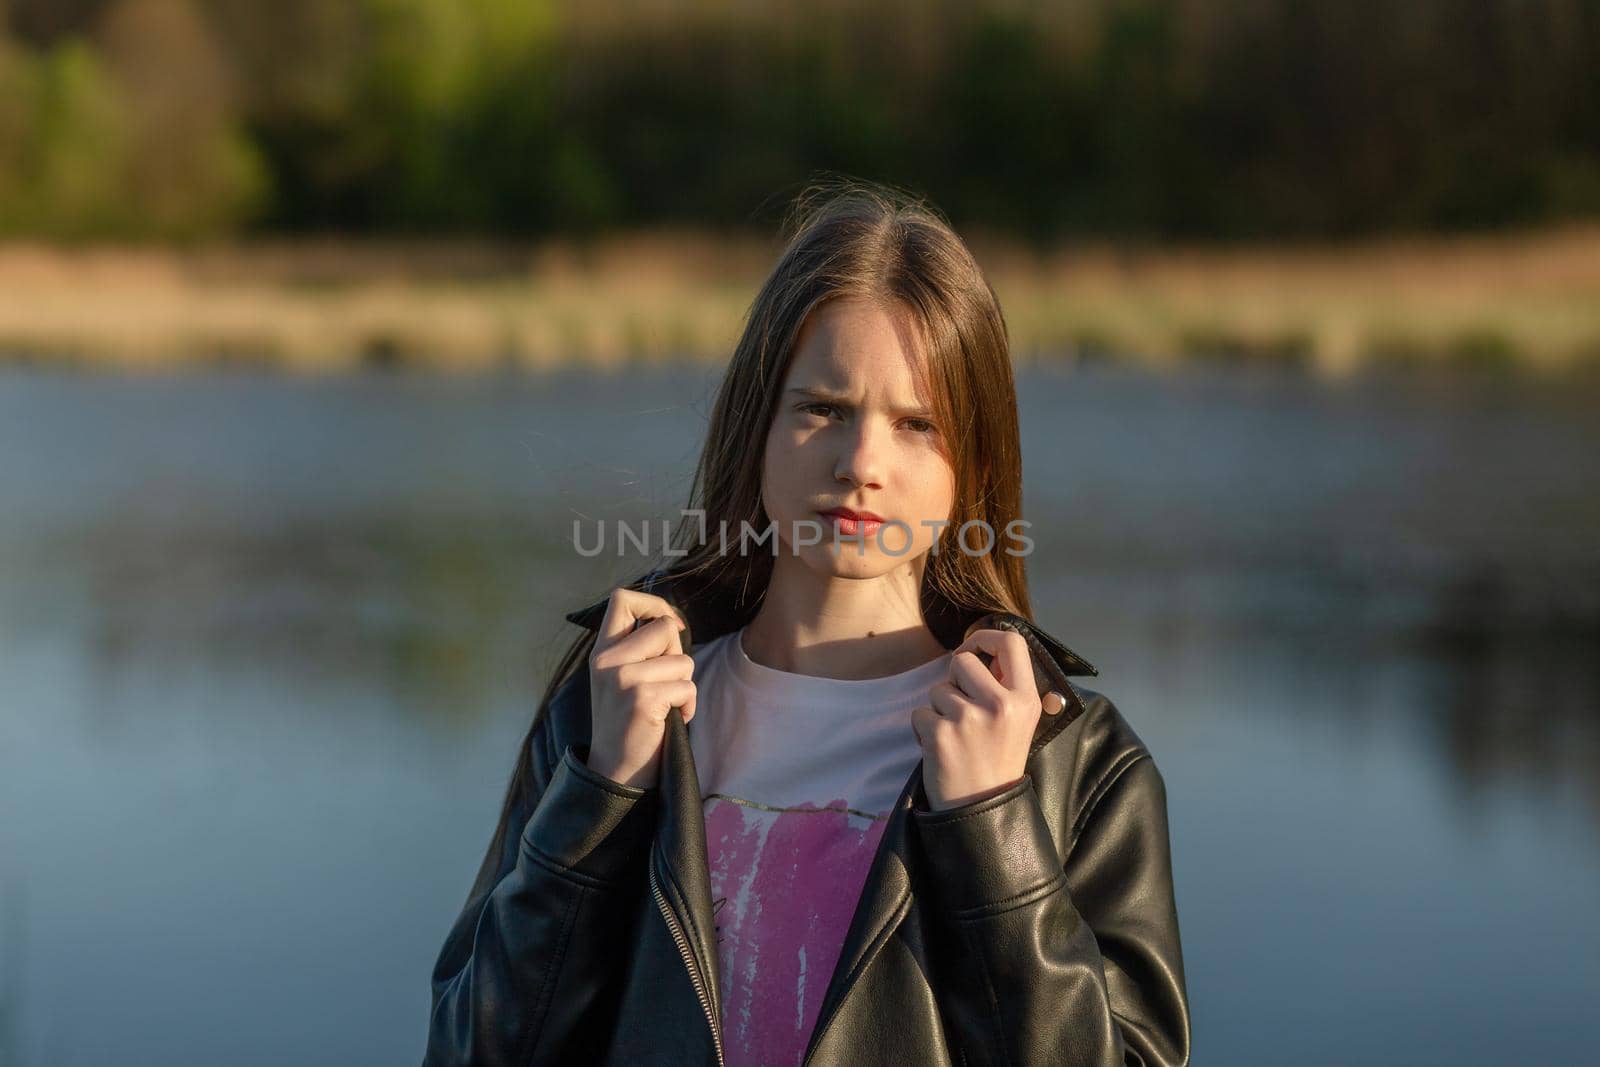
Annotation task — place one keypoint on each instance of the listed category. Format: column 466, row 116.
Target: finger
column 977, row 681
column 668, row 668
column 619, row 617
column 650, row 638
column 662, row 697
column 923, row 723
column 950, row 702
column 626, row 608
column 671, row 626
column 1009, row 649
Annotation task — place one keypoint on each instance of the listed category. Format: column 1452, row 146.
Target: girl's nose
column 860, row 463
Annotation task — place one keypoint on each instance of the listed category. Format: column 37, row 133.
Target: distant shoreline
column 1526, row 302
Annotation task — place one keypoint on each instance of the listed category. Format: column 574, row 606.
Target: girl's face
column 853, row 429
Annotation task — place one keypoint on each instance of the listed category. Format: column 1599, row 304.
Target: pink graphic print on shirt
column 784, row 885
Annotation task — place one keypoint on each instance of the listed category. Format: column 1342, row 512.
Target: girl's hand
column 976, row 733
column 638, row 672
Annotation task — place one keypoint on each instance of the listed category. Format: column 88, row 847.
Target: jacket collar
column 886, row 896
column 707, row 619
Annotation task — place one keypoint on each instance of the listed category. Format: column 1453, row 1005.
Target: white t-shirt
column 798, row 774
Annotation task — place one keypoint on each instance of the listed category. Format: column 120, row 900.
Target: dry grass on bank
column 1523, row 302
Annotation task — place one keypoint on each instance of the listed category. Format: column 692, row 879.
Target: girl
column 896, row 833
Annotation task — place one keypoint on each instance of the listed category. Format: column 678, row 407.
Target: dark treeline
column 1158, row 118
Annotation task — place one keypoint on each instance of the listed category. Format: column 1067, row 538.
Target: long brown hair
column 848, row 238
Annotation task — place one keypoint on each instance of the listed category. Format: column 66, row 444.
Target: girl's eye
column 921, row 426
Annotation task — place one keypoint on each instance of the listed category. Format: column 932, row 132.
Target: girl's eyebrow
column 833, row 398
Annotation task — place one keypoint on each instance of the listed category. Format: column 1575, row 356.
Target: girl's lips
column 849, row 525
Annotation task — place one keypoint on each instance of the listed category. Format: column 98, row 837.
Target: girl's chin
column 847, row 560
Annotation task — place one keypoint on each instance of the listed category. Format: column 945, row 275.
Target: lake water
column 267, row 648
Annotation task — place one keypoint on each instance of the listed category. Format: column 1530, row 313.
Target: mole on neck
column 889, row 653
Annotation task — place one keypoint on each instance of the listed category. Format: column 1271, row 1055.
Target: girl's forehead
column 852, row 354
column 890, row 380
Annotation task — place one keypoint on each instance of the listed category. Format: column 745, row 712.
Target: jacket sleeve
column 527, row 965
column 1073, row 964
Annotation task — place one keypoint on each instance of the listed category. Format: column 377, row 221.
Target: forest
column 1158, row 119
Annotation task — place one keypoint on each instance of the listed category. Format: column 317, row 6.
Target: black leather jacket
column 1037, row 926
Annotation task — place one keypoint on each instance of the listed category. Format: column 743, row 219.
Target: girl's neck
column 840, row 628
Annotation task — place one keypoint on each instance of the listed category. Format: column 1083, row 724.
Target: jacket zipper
column 682, row 942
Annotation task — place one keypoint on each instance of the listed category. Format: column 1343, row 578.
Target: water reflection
column 270, row 666
column 1520, row 689
column 422, row 607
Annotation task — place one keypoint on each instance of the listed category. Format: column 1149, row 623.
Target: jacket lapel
column 681, row 851
column 884, row 902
